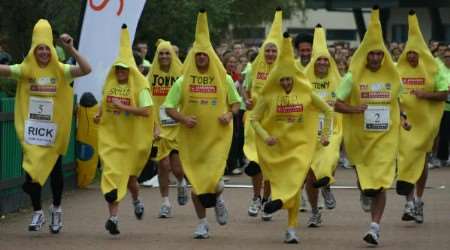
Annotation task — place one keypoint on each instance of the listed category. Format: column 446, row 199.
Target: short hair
column 303, row 38
column 138, row 58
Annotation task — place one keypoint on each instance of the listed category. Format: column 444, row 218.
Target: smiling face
column 374, row 60
column 270, row 53
column 287, row 83
column 321, row 66
column 164, row 58
column 231, row 64
column 42, row 54
column 122, row 74
column 304, row 52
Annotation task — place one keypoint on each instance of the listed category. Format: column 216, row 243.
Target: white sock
column 418, row 199
column 203, row 221
column 166, row 201
column 114, row 218
column 220, row 198
column 39, row 211
column 220, row 186
column 375, row 226
column 410, row 203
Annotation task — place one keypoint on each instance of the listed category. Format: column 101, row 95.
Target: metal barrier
column 11, row 172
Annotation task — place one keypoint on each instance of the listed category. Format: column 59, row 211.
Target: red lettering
column 103, row 4
column 203, row 89
column 290, row 108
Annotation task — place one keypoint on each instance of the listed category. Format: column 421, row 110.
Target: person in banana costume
column 284, row 118
column 324, row 76
column 87, row 140
column 368, row 98
column 44, row 102
column 203, row 101
column 256, row 78
column 165, row 71
column 426, row 90
column 126, row 106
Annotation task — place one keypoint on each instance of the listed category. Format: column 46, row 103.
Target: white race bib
column 376, row 118
column 40, row 133
column 40, row 109
column 164, row 119
column 322, row 124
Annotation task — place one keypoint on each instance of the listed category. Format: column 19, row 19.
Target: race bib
column 40, row 109
column 165, row 120
column 322, row 124
column 376, row 118
column 40, row 133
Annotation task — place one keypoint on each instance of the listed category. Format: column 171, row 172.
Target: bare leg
column 113, row 209
column 133, row 186
column 267, row 190
column 257, row 185
column 420, row 185
column 163, row 176
column 199, row 209
column 176, row 166
column 378, row 205
column 313, row 193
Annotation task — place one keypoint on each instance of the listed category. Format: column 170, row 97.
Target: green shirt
column 16, row 72
column 145, row 99
column 173, row 98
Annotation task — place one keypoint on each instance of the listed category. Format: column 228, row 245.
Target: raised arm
column 83, row 67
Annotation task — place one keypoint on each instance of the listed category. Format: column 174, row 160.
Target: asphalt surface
column 85, row 213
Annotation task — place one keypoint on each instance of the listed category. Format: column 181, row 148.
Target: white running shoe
column 138, row 209
column 37, row 221
column 55, row 219
column 419, row 212
column 255, row 206
column 372, row 236
column 408, row 212
column 165, row 211
column 291, row 237
column 315, row 220
column 221, row 212
column 201, row 232
column 303, row 204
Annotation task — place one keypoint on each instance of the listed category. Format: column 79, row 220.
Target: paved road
column 85, row 213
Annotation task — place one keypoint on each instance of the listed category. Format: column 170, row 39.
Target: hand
column 97, row 118
column 249, row 104
column 190, row 121
column 117, row 103
column 156, row 133
column 360, row 108
column 324, row 140
column 66, row 41
column 271, row 141
column 420, row 94
column 226, row 118
column 405, row 124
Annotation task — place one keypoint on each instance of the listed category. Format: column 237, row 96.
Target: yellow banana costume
column 124, row 139
column 160, row 84
column 291, row 118
column 44, row 88
column 204, row 148
column 325, row 158
column 424, row 115
column 259, row 73
column 371, row 138
column 87, row 139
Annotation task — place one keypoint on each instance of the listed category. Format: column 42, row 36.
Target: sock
column 410, row 203
column 203, row 221
column 257, row 197
column 39, row 211
column 136, row 201
column 57, row 208
column 114, row 218
column 418, row 199
column 375, row 226
column 181, row 183
column 220, row 197
column 166, row 201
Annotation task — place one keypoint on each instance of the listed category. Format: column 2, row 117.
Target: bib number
column 40, row 109
column 40, row 133
column 165, row 120
column 376, row 118
column 322, row 124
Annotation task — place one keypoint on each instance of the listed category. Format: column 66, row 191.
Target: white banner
column 100, row 35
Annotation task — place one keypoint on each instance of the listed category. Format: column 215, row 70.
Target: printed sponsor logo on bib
column 413, row 83
column 40, row 133
column 43, row 86
column 40, row 109
column 203, row 89
column 289, row 104
column 262, row 76
column 375, row 91
column 376, row 118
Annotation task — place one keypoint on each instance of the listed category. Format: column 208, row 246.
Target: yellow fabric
column 291, row 119
column 325, row 158
column 124, row 139
column 259, row 74
column 373, row 153
column 165, row 146
column 38, row 161
column 424, row 115
column 160, row 84
column 87, row 134
column 204, row 95
column 300, row 65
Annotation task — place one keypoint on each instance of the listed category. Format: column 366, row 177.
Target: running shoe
column 56, row 219
column 37, row 221
column 255, row 206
